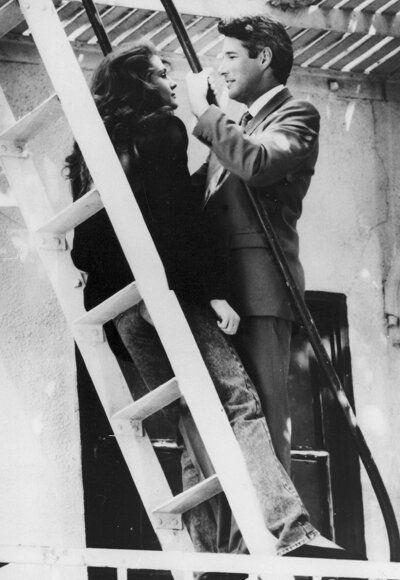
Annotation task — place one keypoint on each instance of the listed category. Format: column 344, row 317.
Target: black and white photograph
column 200, row 289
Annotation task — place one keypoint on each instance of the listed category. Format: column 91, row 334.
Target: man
column 274, row 154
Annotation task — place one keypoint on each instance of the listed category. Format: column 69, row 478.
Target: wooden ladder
column 72, row 98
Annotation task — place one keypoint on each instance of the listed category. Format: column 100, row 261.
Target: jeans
column 263, row 344
column 211, row 526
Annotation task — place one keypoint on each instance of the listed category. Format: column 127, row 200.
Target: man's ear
column 265, row 57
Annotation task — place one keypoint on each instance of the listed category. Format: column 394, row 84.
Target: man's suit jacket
column 275, row 155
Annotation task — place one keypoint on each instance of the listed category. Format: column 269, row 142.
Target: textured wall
column 41, row 496
column 349, row 234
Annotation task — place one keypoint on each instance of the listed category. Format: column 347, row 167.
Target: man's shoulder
column 294, row 104
column 292, row 110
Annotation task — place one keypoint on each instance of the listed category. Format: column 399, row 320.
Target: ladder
column 49, row 231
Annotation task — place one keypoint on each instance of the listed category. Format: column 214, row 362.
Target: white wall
column 349, row 236
column 41, row 495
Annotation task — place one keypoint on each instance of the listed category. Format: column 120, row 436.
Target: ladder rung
column 74, row 214
column 192, row 497
column 110, row 308
column 32, row 123
column 151, row 403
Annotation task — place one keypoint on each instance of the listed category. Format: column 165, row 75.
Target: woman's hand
column 228, row 319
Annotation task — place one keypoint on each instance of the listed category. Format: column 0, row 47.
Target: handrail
column 275, row 566
column 331, row 377
column 300, row 306
column 97, row 25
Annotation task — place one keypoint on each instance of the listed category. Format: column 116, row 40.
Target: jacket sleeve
column 199, row 182
column 265, row 157
column 173, row 212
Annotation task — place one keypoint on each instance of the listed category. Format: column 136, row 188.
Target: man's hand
column 228, row 318
column 197, row 87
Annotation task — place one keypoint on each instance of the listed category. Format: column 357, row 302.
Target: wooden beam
column 192, row 497
column 333, row 19
column 340, row 20
column 10, row 17
column 151, row 403
column 201, row 562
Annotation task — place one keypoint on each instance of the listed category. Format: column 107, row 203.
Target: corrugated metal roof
column 323, row 48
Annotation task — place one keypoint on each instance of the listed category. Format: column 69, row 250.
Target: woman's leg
column 145, row 348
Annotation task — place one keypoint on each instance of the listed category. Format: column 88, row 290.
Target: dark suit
column 275, row 156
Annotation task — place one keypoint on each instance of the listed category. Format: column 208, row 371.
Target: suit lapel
column 276, row 101
column 217, row 174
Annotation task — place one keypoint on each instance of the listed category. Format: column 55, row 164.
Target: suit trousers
column 284, row 513
column 263, row 344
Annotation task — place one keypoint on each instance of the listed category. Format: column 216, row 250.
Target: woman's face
column 160, row 79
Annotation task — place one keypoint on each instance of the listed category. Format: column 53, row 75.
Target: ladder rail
column 99, row 359
column 181, row 348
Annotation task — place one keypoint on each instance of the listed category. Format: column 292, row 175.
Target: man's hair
column 258, row 32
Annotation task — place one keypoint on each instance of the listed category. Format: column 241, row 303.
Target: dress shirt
column 264, row 99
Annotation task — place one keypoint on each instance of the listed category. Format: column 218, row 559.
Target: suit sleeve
column 265, row 157
column 199, row 182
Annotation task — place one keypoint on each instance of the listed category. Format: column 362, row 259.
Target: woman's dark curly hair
column 124, row 95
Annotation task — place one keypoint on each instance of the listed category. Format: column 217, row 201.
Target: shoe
column 312, row 551
column 323, row 542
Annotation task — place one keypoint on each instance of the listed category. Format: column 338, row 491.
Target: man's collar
column 264, row 99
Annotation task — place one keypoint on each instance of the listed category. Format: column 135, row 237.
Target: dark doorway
column 114, row 515
column 325, row 467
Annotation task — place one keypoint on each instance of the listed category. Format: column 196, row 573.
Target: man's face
column 243, row 75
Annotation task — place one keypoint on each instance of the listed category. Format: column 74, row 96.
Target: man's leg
column 263, row 344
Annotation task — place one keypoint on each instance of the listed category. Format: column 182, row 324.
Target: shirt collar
column 264, row 99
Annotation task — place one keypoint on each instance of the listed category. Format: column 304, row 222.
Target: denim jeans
column 211, row 525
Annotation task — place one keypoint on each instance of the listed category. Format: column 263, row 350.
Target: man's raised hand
column 197, row 87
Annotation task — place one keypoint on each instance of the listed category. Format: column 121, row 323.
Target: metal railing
column 187, row 562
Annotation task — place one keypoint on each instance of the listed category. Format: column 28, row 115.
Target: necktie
column 218, row 177
column 245, row 120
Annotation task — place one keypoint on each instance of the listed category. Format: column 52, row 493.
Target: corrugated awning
column 351, row 36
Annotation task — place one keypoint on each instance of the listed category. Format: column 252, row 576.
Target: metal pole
column 97, row 25
column 331, row 376
column 186, row 44
column 308, row 322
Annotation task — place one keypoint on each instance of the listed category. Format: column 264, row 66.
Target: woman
column 136, row 100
